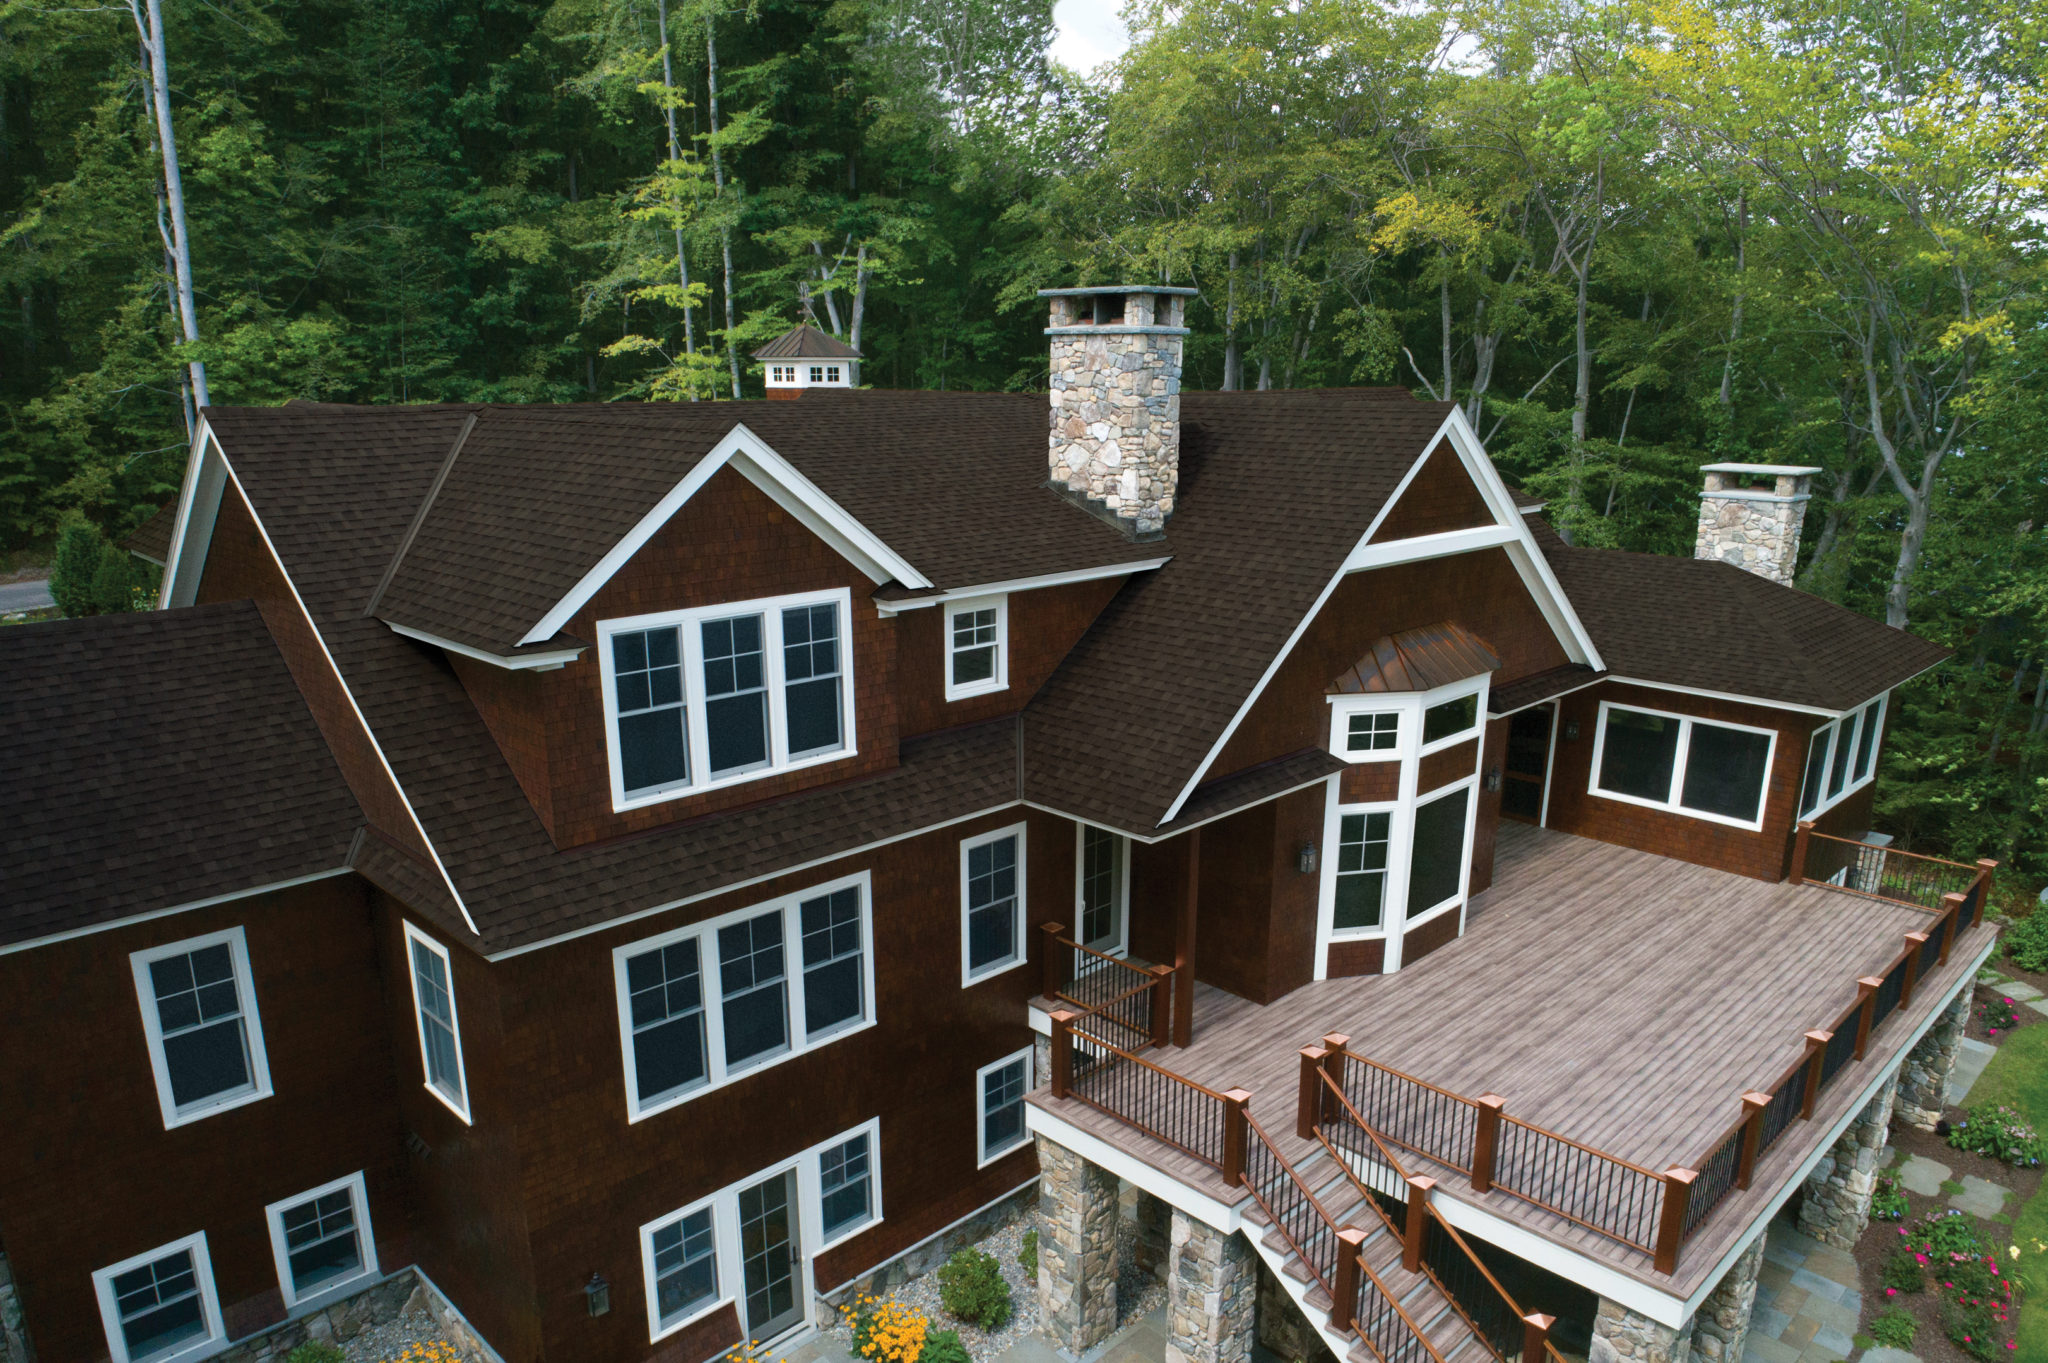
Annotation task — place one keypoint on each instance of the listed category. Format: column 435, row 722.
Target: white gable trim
column 751, row 457
column 1509, row 531
column 192, row 528
column 525, row 662
column 1023, row 584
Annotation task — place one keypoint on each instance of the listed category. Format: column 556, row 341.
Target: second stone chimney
column 1750, row 515
column 1115, row 442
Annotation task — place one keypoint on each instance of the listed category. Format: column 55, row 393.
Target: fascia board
column 192, row 531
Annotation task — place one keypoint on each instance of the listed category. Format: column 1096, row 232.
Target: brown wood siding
column 88, row 1174
column 1369, row 783
column 1043, row 625
column 1480, row 591
column 1256, row 917
column 1440, row 768
column 1367, row 957
column 1574, row 809
column 1440, row 498
column 715, row 1333
column 591, row 1178
column 239, row 567
column 1486, row 829
column 1419, row 942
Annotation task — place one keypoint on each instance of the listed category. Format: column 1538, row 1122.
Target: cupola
column 805, row 357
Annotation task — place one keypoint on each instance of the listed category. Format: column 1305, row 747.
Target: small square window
column 160, row 1307
column 1002, row 1087
column 977, row 647
column 1378, row 732
column 322, row 1240
column 199, row 1014
column 817, row 373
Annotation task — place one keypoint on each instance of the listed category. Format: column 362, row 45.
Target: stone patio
column 1807, row 1303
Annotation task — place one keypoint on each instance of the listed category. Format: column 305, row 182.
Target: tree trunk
column 675, row 153
column 860, row 295
column 1735, row 321
column 149, row 23
column 718, row 179
column 1444, row 307
column 1233, row 359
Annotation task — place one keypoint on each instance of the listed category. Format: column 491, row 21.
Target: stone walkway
column 1807, row 1304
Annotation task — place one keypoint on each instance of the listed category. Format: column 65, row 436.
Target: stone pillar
column 1041, row 1059
column 1212, row 1294
column 1837, row 1205
column 1622, row 1336
column 1153, row 1247
column 1755, row 529
column 1721, row 1326
column 1115, row 419
column 1924, row 1075
column 1077, row 1215
column 14, row 1345
column 1283, row 1329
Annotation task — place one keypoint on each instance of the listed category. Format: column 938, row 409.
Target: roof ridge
column 419, row 517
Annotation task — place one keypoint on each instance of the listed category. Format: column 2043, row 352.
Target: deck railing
column 1134, row 1002
column 1192, row 1118
column 1879, row 871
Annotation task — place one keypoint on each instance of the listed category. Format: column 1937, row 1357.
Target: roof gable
column 1440, row 497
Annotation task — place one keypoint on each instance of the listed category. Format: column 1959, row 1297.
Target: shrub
column 2000, row 1133
column 944, row 1346
column 2026, row 941
column 2000, row 1015
column 1894, row 1329
column 1975, row 1330
column 313, row 1351
column 1027, row 1253
column 972, row 1287
column 1887, row 1203
column 886, row 1331
column 78, row 558
column 1903, row 1273
column 1944, row 1236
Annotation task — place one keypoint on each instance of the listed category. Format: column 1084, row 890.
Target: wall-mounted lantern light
column 1571, row 730
column 597, row 1294
column 1493, row 778
column 1305, row 859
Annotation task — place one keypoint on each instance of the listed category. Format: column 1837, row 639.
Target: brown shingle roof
column 1417, row 660
column 805, row 342
column 152, row 539
column 154, row 760
column 1712, row 626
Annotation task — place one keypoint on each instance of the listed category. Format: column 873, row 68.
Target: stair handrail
column 1279, row 1223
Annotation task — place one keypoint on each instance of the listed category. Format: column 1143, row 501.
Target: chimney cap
column 1764, row 470
column 1088, row 290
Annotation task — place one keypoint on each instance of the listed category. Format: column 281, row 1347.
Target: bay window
column 1707, row 770
column 702, row 698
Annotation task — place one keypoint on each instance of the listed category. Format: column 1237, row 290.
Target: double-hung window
column 848, row 1191
column 199, row 1015
column 321, row 1240
column 160, row 1307
column 1362, row 841
column 1001, row 1088
column 433, row 1001
column 703, row 698
column 680, row 1256
column 977, row 646
column 991, row 903
column 1711, row 771
column 1840, row 758
column 702, row 1005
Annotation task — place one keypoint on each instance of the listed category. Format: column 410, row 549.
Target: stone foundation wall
column 923, row 1258
column 1283, row 1329
column 1212, row 1295
column 403, row 1292
column 1152, row 1246
column 1721, row 1326
column 1924, row 1075
column 1620, row 1334
column 1115, row 437
column 14, row 1342
column 1837, row 1203
column 1077, row 1224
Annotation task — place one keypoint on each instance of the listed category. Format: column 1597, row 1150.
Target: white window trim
column 1680, row 758
column 1411, row 920
column 1122, row 946
column 1001, row 680
column 1477, row 687
column 1409, row 705
column 691, row 651
column 968, row 975
column 725, row 1220
column 1850, row 723
column 717, row 1076
column 152, row 1026
column 366, row 1242
column 459, row 1105
column 202, row 1278
column 1396, row 890
column 985, row 1156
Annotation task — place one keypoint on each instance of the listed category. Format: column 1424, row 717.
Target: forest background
column 1628, row 236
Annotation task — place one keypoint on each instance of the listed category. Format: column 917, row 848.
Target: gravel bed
column 922, row 1294
column 386, row 1342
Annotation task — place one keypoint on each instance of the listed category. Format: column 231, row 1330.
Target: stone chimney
column 1750, row 516
column 1115, row 444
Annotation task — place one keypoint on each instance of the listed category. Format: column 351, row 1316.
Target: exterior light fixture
column 597, row 1294
column 1305, row 859
column 1493, row 778
column 1571, row 730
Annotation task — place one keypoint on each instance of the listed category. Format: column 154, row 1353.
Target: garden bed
column 1996, row 1014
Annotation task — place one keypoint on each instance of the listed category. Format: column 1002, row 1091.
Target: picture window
column 1691, row 766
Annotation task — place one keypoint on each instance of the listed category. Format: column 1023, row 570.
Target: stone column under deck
column 1622, row 1336
column 1212, row 1293
column 1152, row 1247
column 1078, row 1216
column 1721, row 1325
column 14, row 1345
column 1837, row 1205
column 1923, row 1078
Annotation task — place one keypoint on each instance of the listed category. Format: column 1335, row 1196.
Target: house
column 647, row 870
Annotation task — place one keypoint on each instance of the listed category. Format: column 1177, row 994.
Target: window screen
column 1002, row 1106
column 992, row 902
column 437, row 1020
column 685, row 1267
column 647, row 686
column 974, row 646
column 1436, row 860
column 834, row 975
column 665, row 991
column 735, row 695
column 756, row 988
column 159, row 1306
column 322, row 1244
column 205, row 1039
column 810, row 671
column 845, row 1185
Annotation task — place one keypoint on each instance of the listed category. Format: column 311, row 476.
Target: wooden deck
column 1620, row 999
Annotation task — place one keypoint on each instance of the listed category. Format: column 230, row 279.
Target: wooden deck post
column 1953, row 903
column 1485, row 1137
column 1184, row 947
column 1344, row 1291
column 1753, row 1105
column 1535, row 1334
column 1671, row 1222
column 1985, row 869
column 1308, row 1107
column 1914, row 942
column 1816, row 1044
column 1415, row 1231
column 1235, row 1134
column 1866, row 1009
column 1049, row 965
column 1162, row 1003
column 1333, row 1064
column 1800, row 842
column 1062, row 1080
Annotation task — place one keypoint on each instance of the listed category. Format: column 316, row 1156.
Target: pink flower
column 1891, row 1291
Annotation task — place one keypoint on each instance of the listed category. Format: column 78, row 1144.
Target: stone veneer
column 1621, row 1334
column 14, row 1343
column 340, row 1321
column 1115, row 437
column 1721, row 1325
column 1283, row 1330
column 1212, row 1294
column 928, row 1254
column 1923, row 1078
column 1078, row 1217
column 1837, row 1203
column 1755, row 530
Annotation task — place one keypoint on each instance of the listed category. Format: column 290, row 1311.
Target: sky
column 1090, row 33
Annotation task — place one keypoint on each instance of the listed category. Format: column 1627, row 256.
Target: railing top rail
column 1423, row 1083
column 1112, row 1001
column 1288, row 1169
column 1892, row 851
column 1137, row 1059
column 1594, row 1151
column 1358, row 1121
column 1103, row 956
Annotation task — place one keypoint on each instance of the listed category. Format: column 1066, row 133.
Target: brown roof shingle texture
column 154, row 760
column 152, row 539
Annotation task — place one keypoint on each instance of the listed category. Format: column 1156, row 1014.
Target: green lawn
column 2018, row 1077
